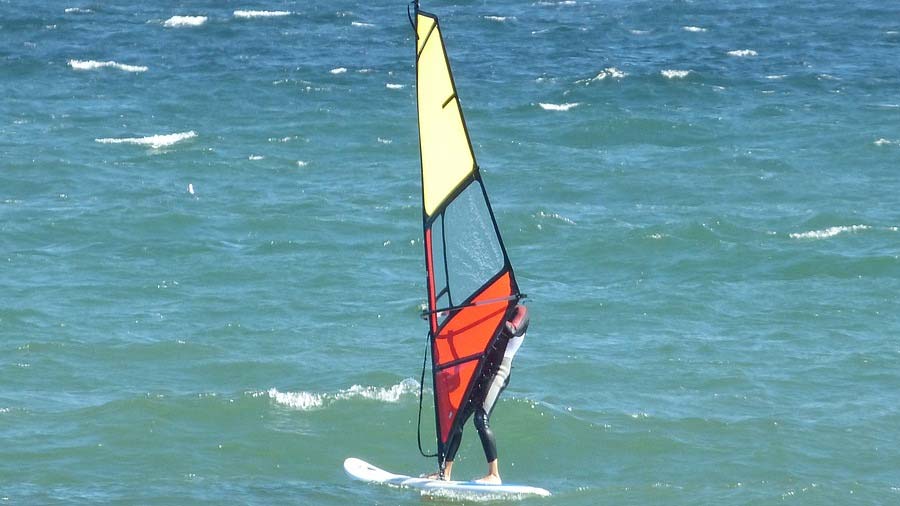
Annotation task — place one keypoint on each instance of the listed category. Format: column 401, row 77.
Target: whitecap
column 339, row 70
column 298, row 400
column 154, row 141
column 828, row 232
column 260, row 14
column 607, row 73
column 184, row 21
column 302, row 163
column 255, row 157
column 885, row 142
column 555, row 216
column 558, row 107
column 311, row 400
column 693, row 29
column 776, row 77
column 77, row 10
column 742, row 53
column 392, row 86
column 639, row 32
column 385, row 141
column 93, row 65
column 390, row 394
column 361, row 24
column 675, row 74
column 499, row 19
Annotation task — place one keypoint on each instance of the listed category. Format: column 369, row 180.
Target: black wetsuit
column 494, row 379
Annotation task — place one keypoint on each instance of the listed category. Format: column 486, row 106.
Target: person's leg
column 497, row 385
column 452, row 447
column 482, row 421
column 488, row 443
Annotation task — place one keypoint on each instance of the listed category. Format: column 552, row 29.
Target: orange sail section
column 471, row 329
column 460, row 346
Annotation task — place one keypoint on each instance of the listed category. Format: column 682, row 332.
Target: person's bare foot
column 490, row 479
column 433, row 476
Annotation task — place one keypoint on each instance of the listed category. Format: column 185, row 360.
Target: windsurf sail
column 471, row 287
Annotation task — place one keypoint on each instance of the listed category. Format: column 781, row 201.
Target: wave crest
column 743, row 53
column 558, row 107
column 260, row 14
column 675, row 74
column 306, row 401
column 182, row 21
column 828, row 232
column 93, row 65
column 154, row 141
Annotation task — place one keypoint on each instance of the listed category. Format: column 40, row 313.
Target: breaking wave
column 828, row 232
column 93, row 65
column 260, row 14
column 558, row 107
column 743, row 53
column 154, row 141
column 305, row 401
column 183, row 21
column 675, row 74
column 607, row 73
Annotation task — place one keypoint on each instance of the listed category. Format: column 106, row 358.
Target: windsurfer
column 494, row 379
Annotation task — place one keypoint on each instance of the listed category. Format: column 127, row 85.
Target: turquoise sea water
column 211, row 260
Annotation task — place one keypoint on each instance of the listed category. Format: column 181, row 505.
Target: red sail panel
column 460, row 347
column 450, row 388
column 470, row 331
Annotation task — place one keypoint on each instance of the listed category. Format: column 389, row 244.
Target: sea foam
column 828, row 232
column 93, row 65
column 555, row 216
column 184, row 21
column 154, row 141
column 694, row 29
column 305, row 401
column 260, row 14
column 743, row 53
column 607, row 73
column 675, row 74
column 558, row 107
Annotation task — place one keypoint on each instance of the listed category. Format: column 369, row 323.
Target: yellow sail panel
column 424, row 25
column 447, row 157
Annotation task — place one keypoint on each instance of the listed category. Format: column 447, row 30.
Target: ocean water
column 211, row 262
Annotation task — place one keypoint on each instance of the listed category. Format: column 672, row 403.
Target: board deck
column 363, row 471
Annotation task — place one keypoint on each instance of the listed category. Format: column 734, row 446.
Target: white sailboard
column 363, row 471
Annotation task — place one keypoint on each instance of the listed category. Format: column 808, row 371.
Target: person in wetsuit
column 494, row 379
